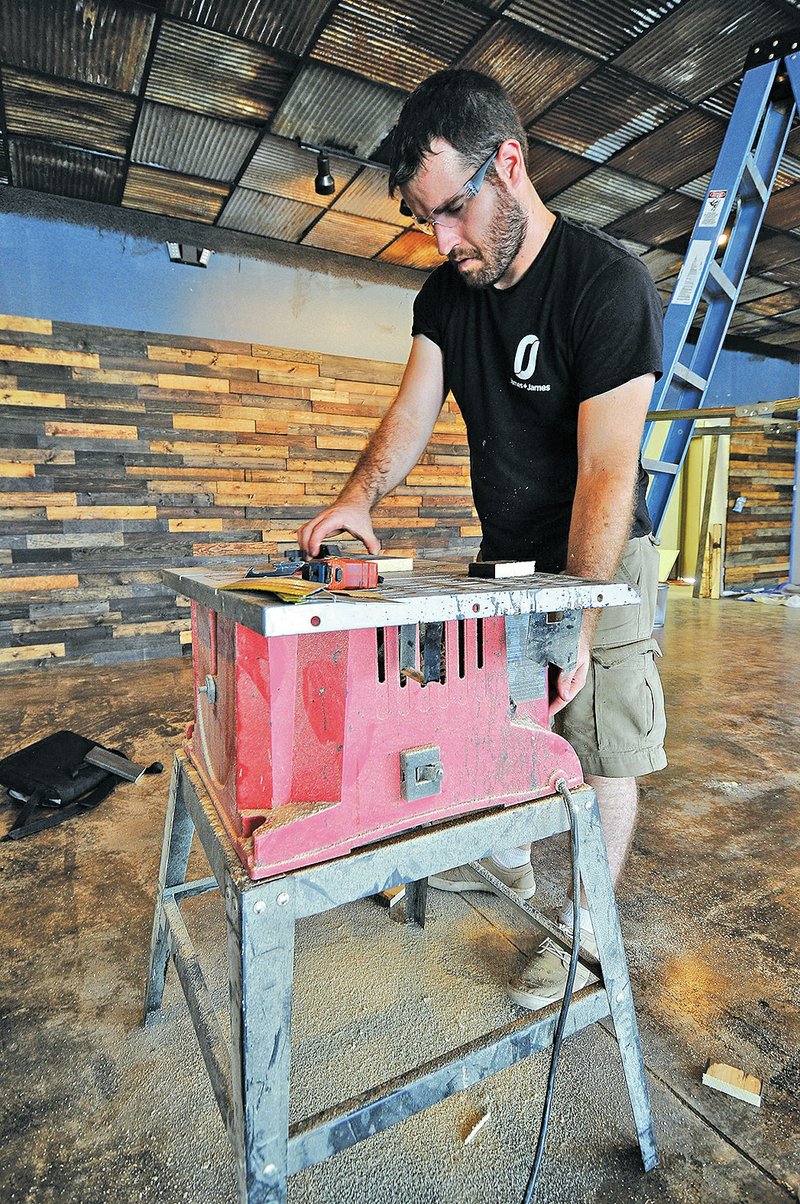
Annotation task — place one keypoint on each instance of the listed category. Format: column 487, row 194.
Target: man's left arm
column 610, row 429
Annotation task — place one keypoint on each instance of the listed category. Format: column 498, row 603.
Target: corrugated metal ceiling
column 194, row 108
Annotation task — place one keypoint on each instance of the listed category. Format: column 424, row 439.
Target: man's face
column 480, row 235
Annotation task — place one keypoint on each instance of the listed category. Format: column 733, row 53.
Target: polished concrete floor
column 96, row 1108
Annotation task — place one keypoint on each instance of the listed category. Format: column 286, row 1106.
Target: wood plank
column 32, row 652
column 91, row 430
column 47, row 355
column 195, row 524
column 27, row 498
column 95, row 512
column 29, row 397
column 107, row 376
column 37, row 584
column 16, row 470
column 198, row 422
column 188, row 384
column 32, row 325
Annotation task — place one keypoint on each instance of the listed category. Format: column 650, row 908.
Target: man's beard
column 502, row 245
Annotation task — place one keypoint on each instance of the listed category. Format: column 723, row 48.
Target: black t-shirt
column 585, row 318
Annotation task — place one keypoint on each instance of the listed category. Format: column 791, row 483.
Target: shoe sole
column 535, row 1003
column 467, row 884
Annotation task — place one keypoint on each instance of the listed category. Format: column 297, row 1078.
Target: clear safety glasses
column 452, row 211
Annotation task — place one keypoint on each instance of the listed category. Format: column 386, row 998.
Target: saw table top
column 431, row 592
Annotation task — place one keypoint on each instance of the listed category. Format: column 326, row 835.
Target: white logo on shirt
column 526, row 356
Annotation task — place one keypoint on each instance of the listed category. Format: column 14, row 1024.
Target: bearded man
column 548, row 333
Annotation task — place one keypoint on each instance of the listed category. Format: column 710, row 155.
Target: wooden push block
column 733, row 1082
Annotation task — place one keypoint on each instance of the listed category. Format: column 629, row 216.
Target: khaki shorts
column 617, row 724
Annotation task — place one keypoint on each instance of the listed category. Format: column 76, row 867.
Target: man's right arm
column 390, row 454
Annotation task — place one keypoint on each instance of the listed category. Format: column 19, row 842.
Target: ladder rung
column 691, row 378
column 756, row 177
column 724, row 281
column 660, row 466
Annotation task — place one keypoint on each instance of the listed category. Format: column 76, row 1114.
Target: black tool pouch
column 51, row 782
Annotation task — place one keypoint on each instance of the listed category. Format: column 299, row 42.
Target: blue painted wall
column 92, row 276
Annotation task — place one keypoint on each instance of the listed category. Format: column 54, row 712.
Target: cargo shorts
column 616, row 724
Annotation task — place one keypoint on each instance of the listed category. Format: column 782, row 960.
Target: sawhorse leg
column 600, row 897
column 416, row 902
column 260, row 965
column 177, row 843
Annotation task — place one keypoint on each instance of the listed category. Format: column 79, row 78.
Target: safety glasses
column 452, row 211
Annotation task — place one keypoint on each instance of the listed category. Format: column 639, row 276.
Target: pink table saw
column 330, row 724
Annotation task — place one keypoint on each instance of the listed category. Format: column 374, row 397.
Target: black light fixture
column 324, row 183
column 194, row 257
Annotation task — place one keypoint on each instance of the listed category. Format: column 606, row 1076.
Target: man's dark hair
column 469, row 110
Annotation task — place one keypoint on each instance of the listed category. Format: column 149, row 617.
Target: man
column 549, row 335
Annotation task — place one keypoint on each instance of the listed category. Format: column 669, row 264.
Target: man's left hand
column 570, row 682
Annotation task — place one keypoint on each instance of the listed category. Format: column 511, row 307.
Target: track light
column 324, row 183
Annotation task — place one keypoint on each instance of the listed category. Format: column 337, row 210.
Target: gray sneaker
column 543, row 979
column 520, row 880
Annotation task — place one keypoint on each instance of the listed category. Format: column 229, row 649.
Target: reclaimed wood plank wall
column 123, row 452
column 757, row 538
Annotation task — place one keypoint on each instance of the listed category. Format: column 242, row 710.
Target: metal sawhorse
column 250, row 1074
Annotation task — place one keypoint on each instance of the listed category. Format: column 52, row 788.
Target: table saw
column 341, row 747
column 330, row 724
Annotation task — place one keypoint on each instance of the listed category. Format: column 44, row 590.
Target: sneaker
column 463, row 878
column 543, row 979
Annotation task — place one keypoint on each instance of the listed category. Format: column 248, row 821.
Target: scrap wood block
column 733, row 1082
column 391, row 896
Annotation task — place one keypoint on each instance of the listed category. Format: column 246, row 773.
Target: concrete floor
column 96, row 1108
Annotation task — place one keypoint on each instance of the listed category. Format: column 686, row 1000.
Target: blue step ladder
column 714, row 268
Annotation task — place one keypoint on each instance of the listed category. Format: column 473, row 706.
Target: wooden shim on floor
column 734, row 1082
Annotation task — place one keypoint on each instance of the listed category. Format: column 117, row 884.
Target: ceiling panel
column 783, row 209
column 397, row 42
column 165, row 192
column 414, row 250
column 207, row 72
column 283, row 24
column 698, row 48
column 282, row 168
column 269, row 216
column 601, row 28
column 367, row 196
column 328, row 107
column 661, row 264
column 65, row 170
column 95, row 41
column 668, row 218
column 679, row 151
column 753, row 288
column 774, row 304
column 533, row 70
column 603, row 115
column 351, row 235
column 191, row 143
column 552, row 169
column 721, row 102
column 773, row 252
column 67, row 112
column 784, row 337
column 603, row 197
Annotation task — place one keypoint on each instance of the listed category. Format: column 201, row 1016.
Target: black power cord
column 563, row 790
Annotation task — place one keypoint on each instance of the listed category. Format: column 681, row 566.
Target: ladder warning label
column 690, row 272
column 712, row 209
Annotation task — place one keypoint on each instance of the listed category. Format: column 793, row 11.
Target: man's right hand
column 338, row 518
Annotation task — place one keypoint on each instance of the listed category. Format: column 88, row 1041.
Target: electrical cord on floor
column 563, row 790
